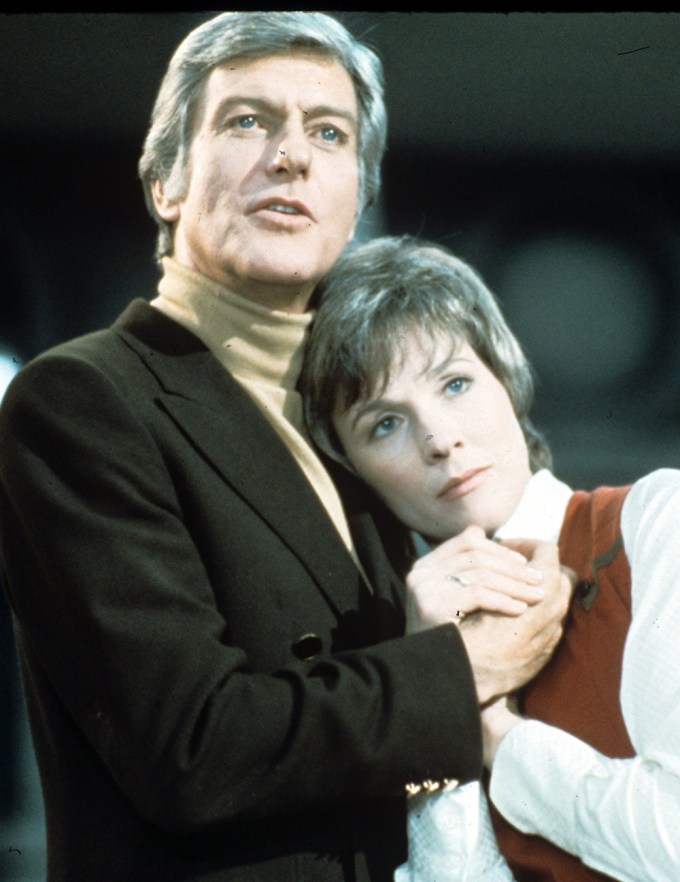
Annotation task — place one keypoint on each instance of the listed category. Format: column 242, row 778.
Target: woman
column 414, row 381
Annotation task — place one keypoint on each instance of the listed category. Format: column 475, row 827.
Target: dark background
column 542, row 147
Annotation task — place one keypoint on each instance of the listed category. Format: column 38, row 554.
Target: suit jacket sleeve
column 127, row 619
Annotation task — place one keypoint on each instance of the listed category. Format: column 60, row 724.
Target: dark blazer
column 213, row 693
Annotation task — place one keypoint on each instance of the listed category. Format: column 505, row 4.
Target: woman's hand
column 467, row 574
column 498, row 719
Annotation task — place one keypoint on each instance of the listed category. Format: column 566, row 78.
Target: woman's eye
column 245, row 122
column 383, row 427
column 456, row 385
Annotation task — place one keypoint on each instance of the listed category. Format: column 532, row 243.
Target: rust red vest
column 579, row 689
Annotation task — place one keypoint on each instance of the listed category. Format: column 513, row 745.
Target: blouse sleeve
column 620, row 816
column 450, row 838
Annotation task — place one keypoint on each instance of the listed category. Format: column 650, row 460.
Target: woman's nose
column 440, row 442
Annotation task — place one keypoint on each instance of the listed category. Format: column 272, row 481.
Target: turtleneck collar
column 254, row 343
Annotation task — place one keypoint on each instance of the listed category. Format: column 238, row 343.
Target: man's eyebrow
column 329, row 110
column 227, row 104
column 264, row 105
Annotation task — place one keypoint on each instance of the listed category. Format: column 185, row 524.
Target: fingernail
column 537, row 592
column 536, row 575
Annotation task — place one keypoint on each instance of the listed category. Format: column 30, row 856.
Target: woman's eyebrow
column 446, row 364
column 367, row 409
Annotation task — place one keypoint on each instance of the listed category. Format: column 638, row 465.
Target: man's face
column 273, row 177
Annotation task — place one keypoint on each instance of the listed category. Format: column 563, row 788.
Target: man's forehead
column 311, row 79
column 283, row 72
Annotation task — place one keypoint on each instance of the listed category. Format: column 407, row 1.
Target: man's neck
column 291, row 299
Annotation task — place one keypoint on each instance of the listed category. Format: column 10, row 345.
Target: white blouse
column 619, row 816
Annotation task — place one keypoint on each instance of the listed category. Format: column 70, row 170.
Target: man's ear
column 168, row 209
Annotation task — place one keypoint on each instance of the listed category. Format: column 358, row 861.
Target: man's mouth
column 289, row 207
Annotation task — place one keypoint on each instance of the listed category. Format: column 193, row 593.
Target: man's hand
column 505, row 652
column 470, row 573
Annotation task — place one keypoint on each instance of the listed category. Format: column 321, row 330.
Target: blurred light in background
column 9, row 365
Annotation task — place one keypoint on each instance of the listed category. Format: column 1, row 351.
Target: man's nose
column 291, row 153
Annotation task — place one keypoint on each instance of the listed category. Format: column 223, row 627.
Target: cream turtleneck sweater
column 263, row 350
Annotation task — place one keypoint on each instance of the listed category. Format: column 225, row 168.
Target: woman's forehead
column 415, row 350
column 426, row 346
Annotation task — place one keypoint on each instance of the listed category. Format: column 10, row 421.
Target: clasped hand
column 509, row 600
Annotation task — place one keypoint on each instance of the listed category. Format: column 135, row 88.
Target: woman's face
column 440, row 444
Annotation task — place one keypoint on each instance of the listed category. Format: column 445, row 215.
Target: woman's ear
column 168, row 209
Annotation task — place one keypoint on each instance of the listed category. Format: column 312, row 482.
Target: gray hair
column 373, row 295
column 255, row 35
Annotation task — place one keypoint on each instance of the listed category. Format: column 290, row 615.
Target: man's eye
column 244, row 123
column 332, row 135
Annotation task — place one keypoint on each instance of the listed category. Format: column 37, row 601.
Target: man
column 212, row 661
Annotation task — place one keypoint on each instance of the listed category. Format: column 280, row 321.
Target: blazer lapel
column 217, row 416
column 381, row 542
